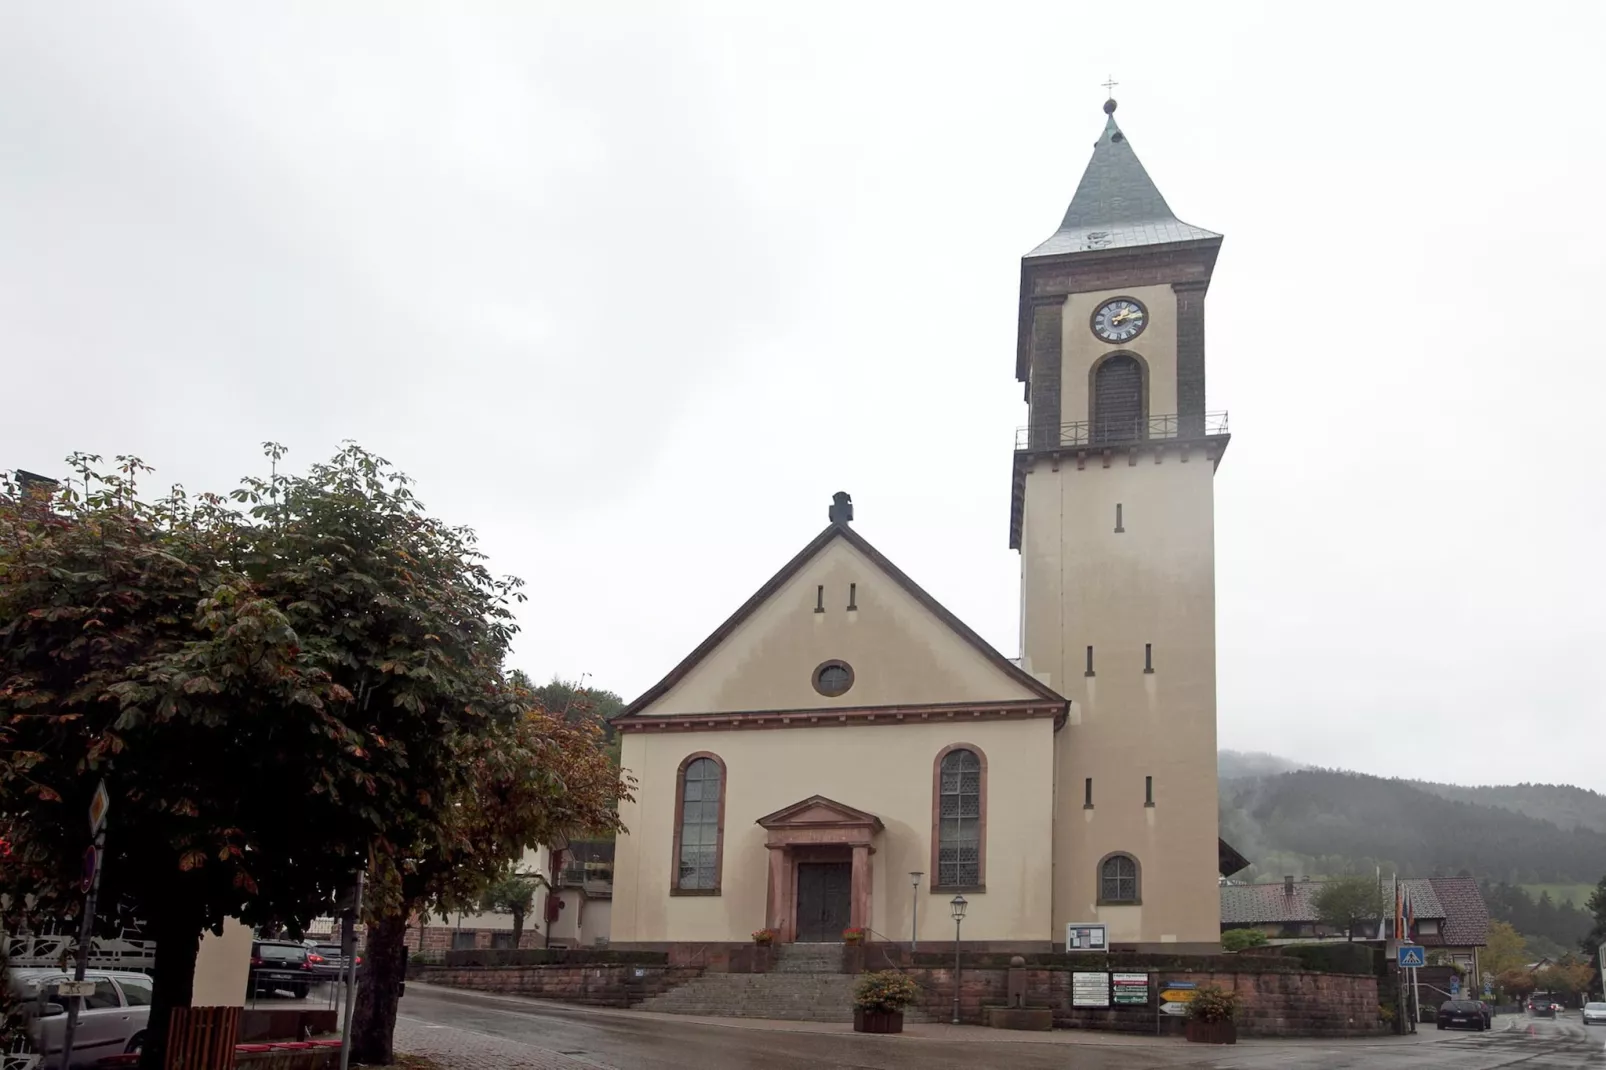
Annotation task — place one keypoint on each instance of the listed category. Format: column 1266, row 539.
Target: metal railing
column 1121, row 430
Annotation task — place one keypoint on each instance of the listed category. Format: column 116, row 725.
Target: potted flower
column 764, row 937
column 879, row 1000
column 1210, row 1016
column 854, row 935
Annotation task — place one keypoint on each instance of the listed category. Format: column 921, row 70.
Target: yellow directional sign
column 1177, row 995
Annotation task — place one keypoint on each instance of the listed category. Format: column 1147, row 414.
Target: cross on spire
column 1109, row 86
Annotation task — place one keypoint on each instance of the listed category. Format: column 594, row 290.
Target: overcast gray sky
column 631, row 289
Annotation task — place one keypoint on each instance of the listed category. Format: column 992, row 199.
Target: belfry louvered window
column 1118, row 400
column 959, row 820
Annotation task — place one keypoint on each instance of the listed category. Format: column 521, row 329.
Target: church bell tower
column 1113, row 514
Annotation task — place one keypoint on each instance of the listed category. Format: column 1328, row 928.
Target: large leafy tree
column 513, row 894
column 576, row 702
column 270, row 695
column 1348, row 903
column 1517, row 982
column 533, row 778
column 1569, row 977
column 1506, row 949
column 1595, row 939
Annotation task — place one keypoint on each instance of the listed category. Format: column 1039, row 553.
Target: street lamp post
column 958, row 905
column 914, row 913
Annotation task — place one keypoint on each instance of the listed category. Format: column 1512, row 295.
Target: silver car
column 1595, row 1014
column 111, row 1021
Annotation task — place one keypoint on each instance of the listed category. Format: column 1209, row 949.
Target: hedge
column 553, row 956
column 1308, row 958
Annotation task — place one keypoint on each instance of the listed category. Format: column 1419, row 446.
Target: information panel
column 1130, row 988
column 1090, row 989
column 1084, row 936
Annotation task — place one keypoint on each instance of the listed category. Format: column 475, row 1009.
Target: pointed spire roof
column 1116, row 205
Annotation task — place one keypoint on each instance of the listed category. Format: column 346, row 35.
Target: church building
column 843, row 752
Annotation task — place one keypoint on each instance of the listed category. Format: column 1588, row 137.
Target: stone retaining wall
column 1279, row 1000
column 605, row 985
column 1275, row 1004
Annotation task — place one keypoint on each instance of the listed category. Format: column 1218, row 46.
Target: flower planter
column 1212, row 1032
column 877, row 1021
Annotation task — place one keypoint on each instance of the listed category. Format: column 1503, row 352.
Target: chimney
column 841, row 507
column 1288, row 884
column 32, row 482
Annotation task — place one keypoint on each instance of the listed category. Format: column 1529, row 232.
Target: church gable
column 840, row 627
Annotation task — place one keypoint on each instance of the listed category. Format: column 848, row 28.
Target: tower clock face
column 1120, row 319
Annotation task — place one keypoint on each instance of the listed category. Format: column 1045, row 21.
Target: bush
column 552, row 956
column 1212, row 1003
column 1239, row 939
column 885, row 991
column 1334, row 958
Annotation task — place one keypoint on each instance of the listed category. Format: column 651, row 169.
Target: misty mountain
column 1561, row 804
column 1319, row 822
column 1237, row 764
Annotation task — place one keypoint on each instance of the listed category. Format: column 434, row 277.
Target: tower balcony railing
column 1122, row 430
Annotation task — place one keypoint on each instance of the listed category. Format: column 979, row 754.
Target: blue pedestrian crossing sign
column 1455, row 987
column 1412, row 955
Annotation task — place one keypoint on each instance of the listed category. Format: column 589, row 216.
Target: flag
column 1399, row 914
column 1410, row 916
column 1382, row 922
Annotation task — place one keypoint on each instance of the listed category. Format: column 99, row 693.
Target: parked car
column 112, row 1021
column 280, row 965
column 1461, row 1014
column 328, row 963
column 1595, row 1014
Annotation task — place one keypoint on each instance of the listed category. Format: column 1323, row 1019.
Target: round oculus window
column 833, row 678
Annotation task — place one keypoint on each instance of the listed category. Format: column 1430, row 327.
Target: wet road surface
column 478, row 1031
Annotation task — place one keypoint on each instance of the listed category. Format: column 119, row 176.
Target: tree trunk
column 518, row 927
column 373, row 1025
column 177, row 933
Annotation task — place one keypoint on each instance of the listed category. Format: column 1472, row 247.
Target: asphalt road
column 477, row 1031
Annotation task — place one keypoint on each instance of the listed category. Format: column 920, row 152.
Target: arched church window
column 1118, row 399
column 959, row 838
column 699, row 825
column 1118, row 879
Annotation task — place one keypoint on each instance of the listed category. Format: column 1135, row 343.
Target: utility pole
column 98, row 806
column 348, row 947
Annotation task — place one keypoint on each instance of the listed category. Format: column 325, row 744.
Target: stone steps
column 807, row 985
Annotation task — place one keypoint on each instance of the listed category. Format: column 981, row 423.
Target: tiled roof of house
column 1466, row 918
column 1262, row 904
column 1255, row 904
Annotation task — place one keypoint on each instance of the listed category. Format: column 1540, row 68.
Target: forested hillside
column 1320, row 822
column 1560, row 804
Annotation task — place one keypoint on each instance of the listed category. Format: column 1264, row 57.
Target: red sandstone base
column 1212, row 1032
column 877, row 1021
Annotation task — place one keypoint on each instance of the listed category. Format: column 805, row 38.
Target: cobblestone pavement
column 461, row 1049
column 464, row 1030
